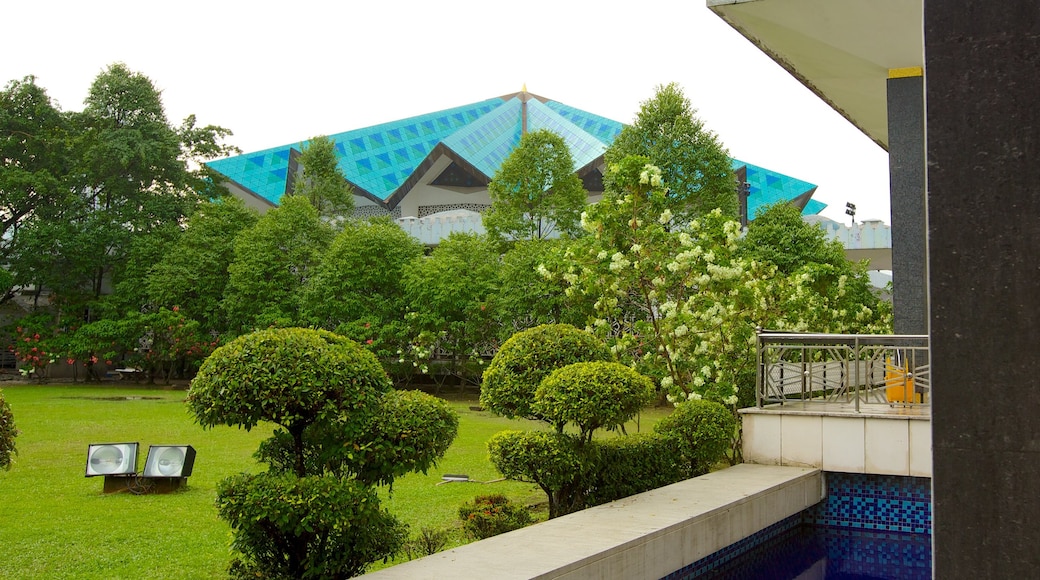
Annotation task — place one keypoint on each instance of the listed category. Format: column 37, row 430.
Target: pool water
column 808, row 552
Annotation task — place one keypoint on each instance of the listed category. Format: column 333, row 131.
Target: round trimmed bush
column 524, row 360
column 592, row 395
column 289, row 376
column 7, row 434
column 702, row 432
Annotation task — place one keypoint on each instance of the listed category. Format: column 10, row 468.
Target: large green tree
column 193, row 273
column 358, row 289
column 322, row 182
column 535, row 192
column 127, row 173
column 699, row 294
column 450, row 296
column 273, row 260
column 694, row 164
column 35, row 157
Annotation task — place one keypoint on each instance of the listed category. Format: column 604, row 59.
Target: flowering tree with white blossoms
column 681, row 302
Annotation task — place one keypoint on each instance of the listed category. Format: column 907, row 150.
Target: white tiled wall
column 850, row 444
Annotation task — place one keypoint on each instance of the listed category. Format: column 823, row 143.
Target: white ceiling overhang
column 842, row 50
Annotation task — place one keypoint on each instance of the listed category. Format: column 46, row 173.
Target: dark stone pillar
column 909, row 222
column 982, row 63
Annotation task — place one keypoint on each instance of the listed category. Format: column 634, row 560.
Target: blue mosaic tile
column 870, row 526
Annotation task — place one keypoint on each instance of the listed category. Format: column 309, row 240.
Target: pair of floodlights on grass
column 166, row 468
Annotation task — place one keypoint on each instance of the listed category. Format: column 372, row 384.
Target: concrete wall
column 883, row 444
column 646, row 536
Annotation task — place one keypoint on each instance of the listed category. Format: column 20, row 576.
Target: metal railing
column 843, row 368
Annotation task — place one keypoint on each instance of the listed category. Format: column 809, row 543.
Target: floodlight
column 111, row 459
column 169, row 461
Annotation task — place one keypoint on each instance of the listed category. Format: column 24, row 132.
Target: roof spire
column 523, row 109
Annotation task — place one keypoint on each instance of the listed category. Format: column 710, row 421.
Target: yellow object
column 899, row 383
column 902, row 73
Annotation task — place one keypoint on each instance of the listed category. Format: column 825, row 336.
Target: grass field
column 56, row 523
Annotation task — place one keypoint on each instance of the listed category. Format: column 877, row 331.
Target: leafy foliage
column 694, row 163
column 528, row 357
column 36, row 154
column 358, row 289
column 555, row 462
column 313, row 513
column 592, row 395
column 8, row 432
column 535, row 191
column 410, row 432
column 526, row 298
column 273, row 260
column 292, row 377
column 450, row 298
column 491, row 515
column 322, row 182
column 633, row 464
column 682, row 301
column 307, row 527
column 700, row 431
column 118, row 171
column 193, row 273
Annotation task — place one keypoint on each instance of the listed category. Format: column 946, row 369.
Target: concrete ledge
column 649, row 535
column 881, row 440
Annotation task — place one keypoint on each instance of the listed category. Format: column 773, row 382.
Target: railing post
column 760, row 380
column 855, row 357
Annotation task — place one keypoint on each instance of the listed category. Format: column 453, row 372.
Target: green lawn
column 56, row 523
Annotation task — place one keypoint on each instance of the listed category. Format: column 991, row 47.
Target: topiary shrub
column 313, row 514
column 7, row 434
column 523, row 361
column 592, row 395
column 631, row 465
column 701, row 432
column 305, row 527
column 409, row 432
column 555, row 462
column 490, row 515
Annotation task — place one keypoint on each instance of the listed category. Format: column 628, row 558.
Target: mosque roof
column 383, row 162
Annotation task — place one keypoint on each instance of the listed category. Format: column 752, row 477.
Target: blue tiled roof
column 767, row 187
column 379, row 160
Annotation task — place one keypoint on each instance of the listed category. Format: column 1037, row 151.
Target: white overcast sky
column 281, row 72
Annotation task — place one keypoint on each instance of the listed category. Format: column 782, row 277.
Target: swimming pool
column 811, row 552
column 868, row 526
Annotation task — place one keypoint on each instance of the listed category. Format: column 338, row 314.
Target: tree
column 526, row 298
column 7, row 434
column 274, row 259
column 565, row 377
column 193, row 273
column 526, row 359
column 127, row 173
column 358, row 289
column 535, row 191
column 322, row 182
column 341, row 430
column 699, row 298
column 694, row 164
column 34, row 157
column 450, row 297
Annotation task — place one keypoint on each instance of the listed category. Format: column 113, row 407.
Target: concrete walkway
column 649, row 535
